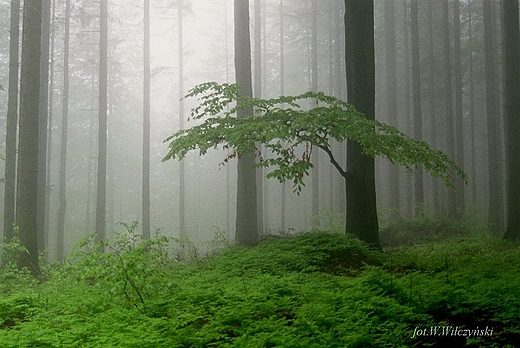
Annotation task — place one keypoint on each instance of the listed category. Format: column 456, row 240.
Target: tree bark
column 417, row 102
column 459, row 126
column 246, row 220
column 360, row 68
column 391, row 97
column 492, row 108
column 12, row 122
column 512, row 98
column 27, row 181
column 62, row 197
column 101, row 191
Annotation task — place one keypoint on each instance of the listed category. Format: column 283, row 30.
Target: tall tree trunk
column 417, row 102
column 512, row 99
column 27, row 181
column 459, row 126
column 182, row 181
column 50, row 122
column 359, row 55
column 283, row 204
column 145, row 190
column 432, row 93
column 473, row 175
column 257, row 92
column 43, row 124
column 12, row 122
column 410, row 182
column 101, row 192
column 391, row 97
column 448, row 99
column 315, row 200
column 246, row 219
column 62, row 197
column 492, row 108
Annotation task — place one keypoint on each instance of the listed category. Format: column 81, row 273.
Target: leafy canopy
column 290, row 131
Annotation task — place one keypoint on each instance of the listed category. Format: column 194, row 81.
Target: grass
column 310, row 290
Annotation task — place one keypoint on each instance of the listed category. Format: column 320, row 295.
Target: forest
column 264, row 173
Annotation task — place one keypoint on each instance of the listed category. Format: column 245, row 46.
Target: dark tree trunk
column 12, row 122
column 246, row 219
column 359, row 54
column 512, row 99
column 27, row 183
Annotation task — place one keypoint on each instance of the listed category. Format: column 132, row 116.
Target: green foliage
column 309, row 290
column 290, row 132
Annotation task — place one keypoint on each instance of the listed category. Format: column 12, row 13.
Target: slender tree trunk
column 432, row 93
column 417, row 102
column 257, row 92
column 391, row 97
column 247, row 219
column 359, row 56
column 182, row 171
column 283, row 204
column 101, row 192
column 410, row 182
column 27, row 181
column 473, row 176
column 459, row 124
column 492, row 108
column 50, row 123
column 512, row 99
column 315, row 200
column 43, row 124
column 145, row 190
column 448, row 99
column 62, row 197
column 12, row 122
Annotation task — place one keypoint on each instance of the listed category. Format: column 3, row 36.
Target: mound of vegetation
column 310, row 290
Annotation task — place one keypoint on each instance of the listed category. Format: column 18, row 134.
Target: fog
column 285, row 59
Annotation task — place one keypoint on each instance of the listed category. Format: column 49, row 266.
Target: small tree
column 291, row 133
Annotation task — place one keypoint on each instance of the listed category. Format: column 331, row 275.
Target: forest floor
column 451, row 285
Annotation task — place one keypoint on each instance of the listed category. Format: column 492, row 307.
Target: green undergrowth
column 309, row 290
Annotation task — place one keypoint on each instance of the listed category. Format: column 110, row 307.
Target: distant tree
column 145, row 191
column 361, row 216
column 43, row 125
column 417, row 100
column 11, row 122
column 102, row 131
column 493, row 113
column 512, row 99
column 27, row 180
column 315, row 199
column 391, row 96
column 247, row 215
column 459, row 124
column 448, row 97
column 62, row 196
column 291, row 134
